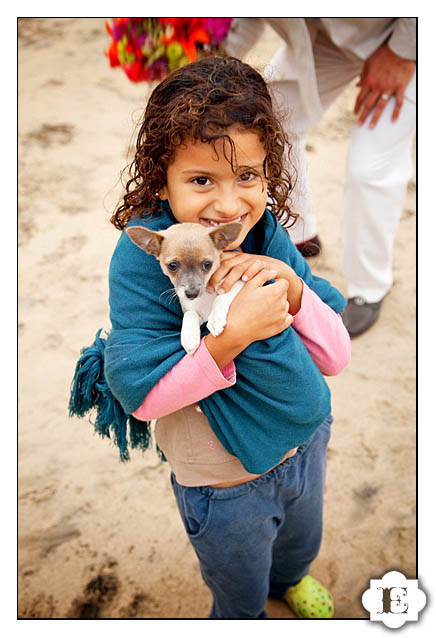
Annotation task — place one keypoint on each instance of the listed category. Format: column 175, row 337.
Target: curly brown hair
column 201, row 101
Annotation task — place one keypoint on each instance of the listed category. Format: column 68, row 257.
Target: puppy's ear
column 224, row 235
column 146, row 239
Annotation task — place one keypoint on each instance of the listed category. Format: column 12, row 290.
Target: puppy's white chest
column 209, row 307
column 201, row 305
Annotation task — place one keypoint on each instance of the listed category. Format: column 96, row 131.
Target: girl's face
column 202, row 187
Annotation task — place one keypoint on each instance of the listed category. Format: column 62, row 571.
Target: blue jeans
column 257, row 539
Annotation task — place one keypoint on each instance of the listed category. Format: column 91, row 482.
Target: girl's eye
column 173, row 266
column 207, row 265
column 201, row 181
column 248, row 176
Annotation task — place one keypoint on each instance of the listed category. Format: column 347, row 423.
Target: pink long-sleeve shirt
column 197, row 376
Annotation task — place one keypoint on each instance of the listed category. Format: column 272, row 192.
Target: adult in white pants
column 318, row 59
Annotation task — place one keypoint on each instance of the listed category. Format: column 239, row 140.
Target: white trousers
column 377, row 171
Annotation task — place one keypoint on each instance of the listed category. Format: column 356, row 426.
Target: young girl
column 245, row 421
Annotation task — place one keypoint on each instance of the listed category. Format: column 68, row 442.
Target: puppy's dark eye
column 206, row 265
column 173, row 266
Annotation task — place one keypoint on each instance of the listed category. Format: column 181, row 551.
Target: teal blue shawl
column 279, row 398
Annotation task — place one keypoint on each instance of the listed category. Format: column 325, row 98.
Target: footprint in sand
column 365, row 495
column 49, row 134
column 99, row 591
column 68, row 246
column 47, row 540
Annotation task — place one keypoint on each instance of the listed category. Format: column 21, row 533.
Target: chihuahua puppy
column 189, row 254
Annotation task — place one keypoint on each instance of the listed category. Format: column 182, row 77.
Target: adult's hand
column 385, row 74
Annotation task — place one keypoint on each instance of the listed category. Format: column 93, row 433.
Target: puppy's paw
column 217, row 321
column 190, row 340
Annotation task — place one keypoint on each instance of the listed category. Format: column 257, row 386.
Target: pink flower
column 218, row 29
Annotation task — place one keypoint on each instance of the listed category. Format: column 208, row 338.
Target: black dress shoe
column 359, row 315
column 310, row 247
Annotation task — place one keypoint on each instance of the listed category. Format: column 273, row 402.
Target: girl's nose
column 227, row 203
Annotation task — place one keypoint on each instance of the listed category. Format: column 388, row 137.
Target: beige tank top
column 195, row 454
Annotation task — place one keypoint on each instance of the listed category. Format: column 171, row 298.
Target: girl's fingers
column 218, row 277
column 229, row 255
column 288, row 320
column 227, row 263
column 280, row 285
column 262, row 277
column 241, row 272
column 229, row 272
column 252, row 270
column 231, row 278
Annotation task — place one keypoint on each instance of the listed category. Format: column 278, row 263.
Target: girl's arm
column 323, row 333
column 198, row 376
column 193, row 378
column 320, row 328
column 258, row 312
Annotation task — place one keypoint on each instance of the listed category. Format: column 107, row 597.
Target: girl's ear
column 163, row 193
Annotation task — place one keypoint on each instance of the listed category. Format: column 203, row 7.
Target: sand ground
column 101, row 539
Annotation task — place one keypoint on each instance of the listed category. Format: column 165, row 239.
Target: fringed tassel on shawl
column 89, row 390
column 160, row 454
column 139, row 435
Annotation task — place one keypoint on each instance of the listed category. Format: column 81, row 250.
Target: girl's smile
column 214, row 222
column 203, row 188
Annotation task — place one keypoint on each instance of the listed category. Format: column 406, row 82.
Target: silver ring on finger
column 385, row 96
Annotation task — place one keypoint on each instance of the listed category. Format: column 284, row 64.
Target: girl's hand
column 236, row 266
column 257, row 312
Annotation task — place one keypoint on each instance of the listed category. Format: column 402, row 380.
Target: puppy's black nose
column 192, row 293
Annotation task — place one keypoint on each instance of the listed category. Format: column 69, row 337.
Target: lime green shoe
column 309, row 599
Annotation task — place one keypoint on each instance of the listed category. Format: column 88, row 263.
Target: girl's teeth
column 216, row 224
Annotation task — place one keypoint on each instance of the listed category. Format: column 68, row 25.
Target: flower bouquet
column 149, row 48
